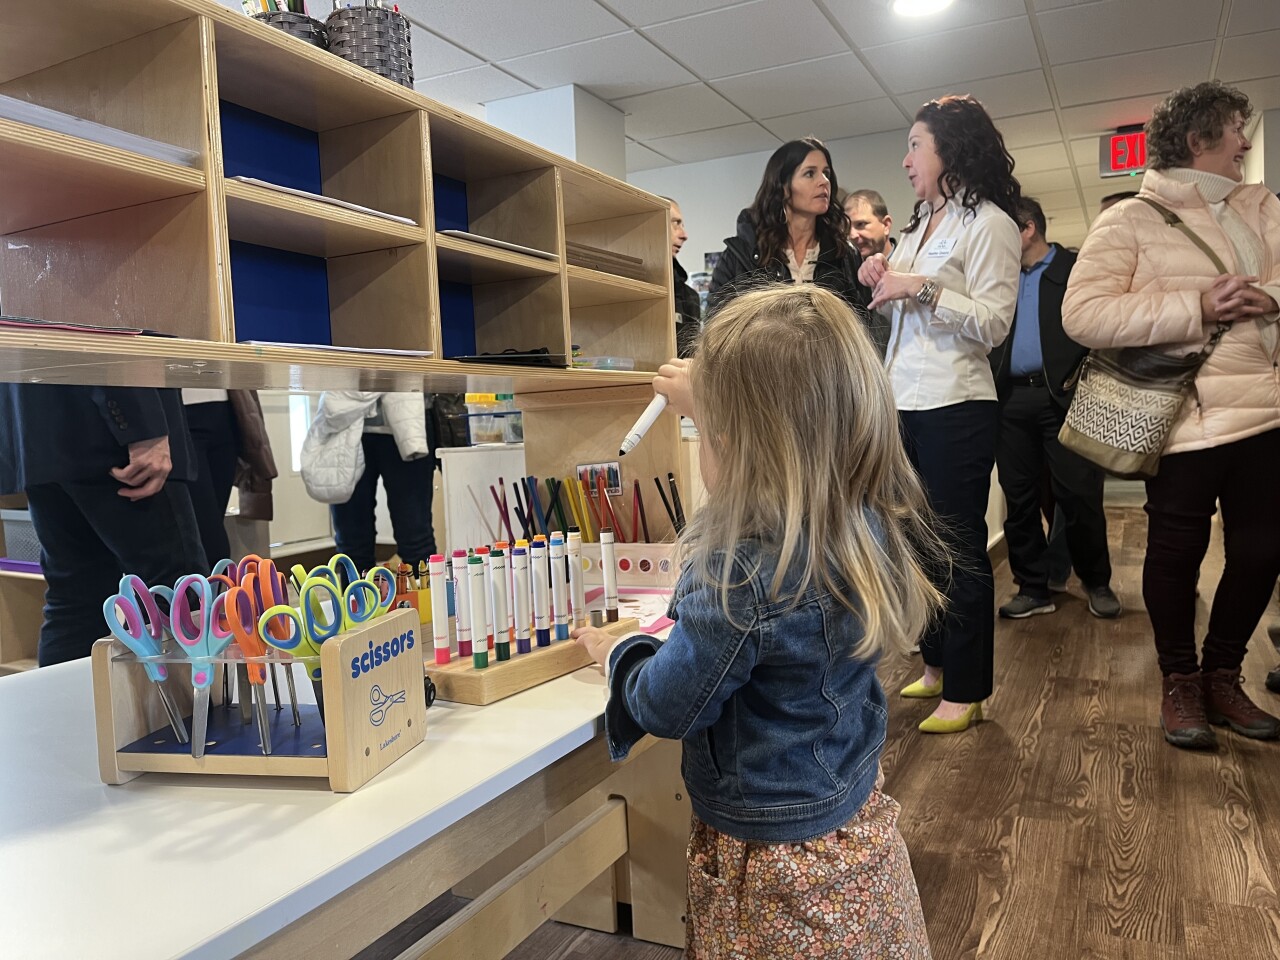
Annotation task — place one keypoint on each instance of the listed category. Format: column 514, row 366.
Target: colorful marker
column 541, row 592
column 520, row 579
column 475, row 579
column 576, row 596
column 439, row 608
column 609, row 566
column 507, row 625
column 483, row 552
column 462, row 602
column 502, row 632
column 559, row 587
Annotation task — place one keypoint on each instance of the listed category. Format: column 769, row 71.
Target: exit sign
column 1123, row 153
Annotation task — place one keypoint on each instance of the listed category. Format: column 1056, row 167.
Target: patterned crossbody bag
column 1127, row 399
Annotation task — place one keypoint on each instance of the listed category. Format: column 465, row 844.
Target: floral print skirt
column 849, row 894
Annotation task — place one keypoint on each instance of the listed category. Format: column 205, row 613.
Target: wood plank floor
column 1064, row 827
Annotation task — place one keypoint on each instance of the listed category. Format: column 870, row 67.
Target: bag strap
column 1173, row 220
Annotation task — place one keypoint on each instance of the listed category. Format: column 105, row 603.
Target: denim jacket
column 782, row 727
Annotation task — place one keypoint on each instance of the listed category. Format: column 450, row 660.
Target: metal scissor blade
column 243, row 694
column 293, row 694
column 199, row 722
column 175, row 718
column 264, row 729
column 319, row 690
column 275, row 687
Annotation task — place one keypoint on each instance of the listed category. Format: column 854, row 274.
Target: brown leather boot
column 1225, row 702
column 1182, row 716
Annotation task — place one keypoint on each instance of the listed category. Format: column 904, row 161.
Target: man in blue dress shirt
column 1035, row 373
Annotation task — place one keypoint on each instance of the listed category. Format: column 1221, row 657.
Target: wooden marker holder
column 355, row 742
column 460, row 682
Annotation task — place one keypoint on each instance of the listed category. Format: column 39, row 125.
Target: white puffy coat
column 332, row 455
column 1138, row 282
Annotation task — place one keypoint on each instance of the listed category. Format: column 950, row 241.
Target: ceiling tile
column 498, row 29
column 1263, row 94
column 941, row 59
column 1251, row 16
column 1245, row 58
column 1002, row 96
column 1098, row 118
column 725, row 142
column 1029, row 130
column 623, row 65
column 814, row 84
column 1084, row 151
column 469, row 87
column 1089, row 31
column 1046, row 182
column 1057, row 201
column 838, row 123
column 1150, row 71
column 1049, row 156
column 694, row 106
column 433, row 56
column 640, row 157
column 752, row 36
column 644, row 13
column 871, row 22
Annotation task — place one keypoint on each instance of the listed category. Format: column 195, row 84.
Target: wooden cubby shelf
column 106, row 236
column 465, row 261
column 591, row 288
column 48, row 177
column 272, row 219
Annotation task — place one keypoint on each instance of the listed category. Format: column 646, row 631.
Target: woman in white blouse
column 949, row 292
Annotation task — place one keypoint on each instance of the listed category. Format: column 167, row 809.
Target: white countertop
column 207, row 866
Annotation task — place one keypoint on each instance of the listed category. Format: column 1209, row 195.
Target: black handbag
column 1127, row 399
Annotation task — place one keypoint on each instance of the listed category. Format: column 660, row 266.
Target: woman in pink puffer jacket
column 1141, row 282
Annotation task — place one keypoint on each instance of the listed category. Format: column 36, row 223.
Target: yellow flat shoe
column 918, row 691
column 938, row 725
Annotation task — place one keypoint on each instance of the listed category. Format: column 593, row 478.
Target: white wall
column 711, row 193
column 544, row 117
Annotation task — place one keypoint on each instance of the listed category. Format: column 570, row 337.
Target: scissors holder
column 461, row 682
column 375, row 712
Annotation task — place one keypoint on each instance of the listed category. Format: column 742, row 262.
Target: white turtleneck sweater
column 1247, row 245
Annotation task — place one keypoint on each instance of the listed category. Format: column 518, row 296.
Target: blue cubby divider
column 279, row 295
column 451, row 203
column 259, row 146
column 457, row 319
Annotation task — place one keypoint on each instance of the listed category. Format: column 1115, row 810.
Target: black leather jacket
column 739, row 269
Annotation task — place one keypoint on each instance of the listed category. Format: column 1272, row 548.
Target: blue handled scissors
column 200, row 627
column 342, row 573
column 142, row 631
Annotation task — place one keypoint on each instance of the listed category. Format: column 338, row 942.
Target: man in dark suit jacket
column 1035, row 373
column 104, row 470
column 688, row 304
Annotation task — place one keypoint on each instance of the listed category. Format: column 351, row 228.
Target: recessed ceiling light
column 919, row 8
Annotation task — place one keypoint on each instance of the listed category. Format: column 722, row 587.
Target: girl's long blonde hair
column 793, row 399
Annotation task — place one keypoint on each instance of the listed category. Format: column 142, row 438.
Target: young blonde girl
column 803, row 565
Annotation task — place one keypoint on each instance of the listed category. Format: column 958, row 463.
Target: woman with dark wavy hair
column 793, row 232
column 1141, row 283
column 949, row 293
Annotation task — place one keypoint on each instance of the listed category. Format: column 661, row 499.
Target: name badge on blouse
column 940, row 248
